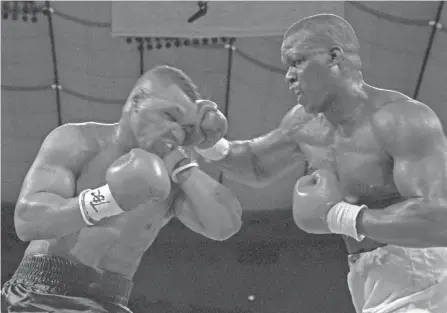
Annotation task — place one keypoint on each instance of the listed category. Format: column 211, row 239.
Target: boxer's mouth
column 170, row 144
column 167, row 143
column 165, row 146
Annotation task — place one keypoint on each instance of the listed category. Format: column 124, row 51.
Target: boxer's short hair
column 330, row 26
column 179, row 78
column 167, row 74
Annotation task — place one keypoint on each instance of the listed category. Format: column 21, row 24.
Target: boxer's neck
column 122, row 137
column 346, row 104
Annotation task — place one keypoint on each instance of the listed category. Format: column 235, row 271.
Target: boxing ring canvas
column 403, row 47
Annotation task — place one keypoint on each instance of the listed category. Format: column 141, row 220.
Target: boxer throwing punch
column 380, row 170
column 97, row 195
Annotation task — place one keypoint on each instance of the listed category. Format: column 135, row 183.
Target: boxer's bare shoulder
column 307, row 129
column 377, row 164
column 78, row 156
column 412, row 134
column 61, row 157
column 313, row 135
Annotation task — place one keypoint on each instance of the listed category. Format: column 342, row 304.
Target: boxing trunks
column 44, row 283
column 394, row 279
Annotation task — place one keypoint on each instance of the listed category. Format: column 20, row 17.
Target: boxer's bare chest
column 116, row 243
column 364, row 170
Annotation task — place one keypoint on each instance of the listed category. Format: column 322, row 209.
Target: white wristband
column 342, row 219
column 97, row 204
column 181, row 169
column 217, row 152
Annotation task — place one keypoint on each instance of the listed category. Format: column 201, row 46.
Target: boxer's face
column 162, row 117
column 308, row 62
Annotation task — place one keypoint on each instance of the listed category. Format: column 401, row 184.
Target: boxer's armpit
column 260, row 161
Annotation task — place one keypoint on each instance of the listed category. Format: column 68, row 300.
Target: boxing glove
column 318, row 207
column 212, row 124
column 314, row 195
column 133, row 179
column 217, row 152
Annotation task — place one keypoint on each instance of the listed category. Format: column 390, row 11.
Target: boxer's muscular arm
column 414, row 138
column 260, row 161
column 47, row 207
column 207, row 207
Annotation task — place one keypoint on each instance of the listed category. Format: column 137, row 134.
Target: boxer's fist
column 313, row 197
column 137, row 177
column 212, row 124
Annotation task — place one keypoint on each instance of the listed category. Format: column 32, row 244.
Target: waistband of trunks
column 60, row 276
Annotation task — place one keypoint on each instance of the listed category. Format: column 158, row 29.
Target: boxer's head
column 160, row 109
column 321, row 54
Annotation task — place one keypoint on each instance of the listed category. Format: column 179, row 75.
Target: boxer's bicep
column 281, row 151
column 49, row 186
column 259, row 162
column 54, row 167
column 273, row 156
column 413, row 137
column 424, row 177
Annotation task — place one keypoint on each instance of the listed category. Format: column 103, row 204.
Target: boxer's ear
column 336, row 54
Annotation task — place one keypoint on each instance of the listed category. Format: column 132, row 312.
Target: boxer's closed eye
column 175, row 114
column 169, row 117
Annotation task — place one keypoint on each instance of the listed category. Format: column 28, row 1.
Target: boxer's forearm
column 259, row 162
column 47, row 216
column 413, row 223
column 209, row 207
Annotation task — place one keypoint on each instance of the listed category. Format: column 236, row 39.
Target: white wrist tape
column 217, row 152
column 97, row 204
column 181, row 169
column 342, row 219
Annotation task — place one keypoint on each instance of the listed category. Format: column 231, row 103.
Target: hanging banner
column 212, row 18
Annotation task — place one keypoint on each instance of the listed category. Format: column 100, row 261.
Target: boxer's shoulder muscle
column 66, row 145
column 412, row 134
column 404, row 127
column 60, row 157
column 305, row 128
